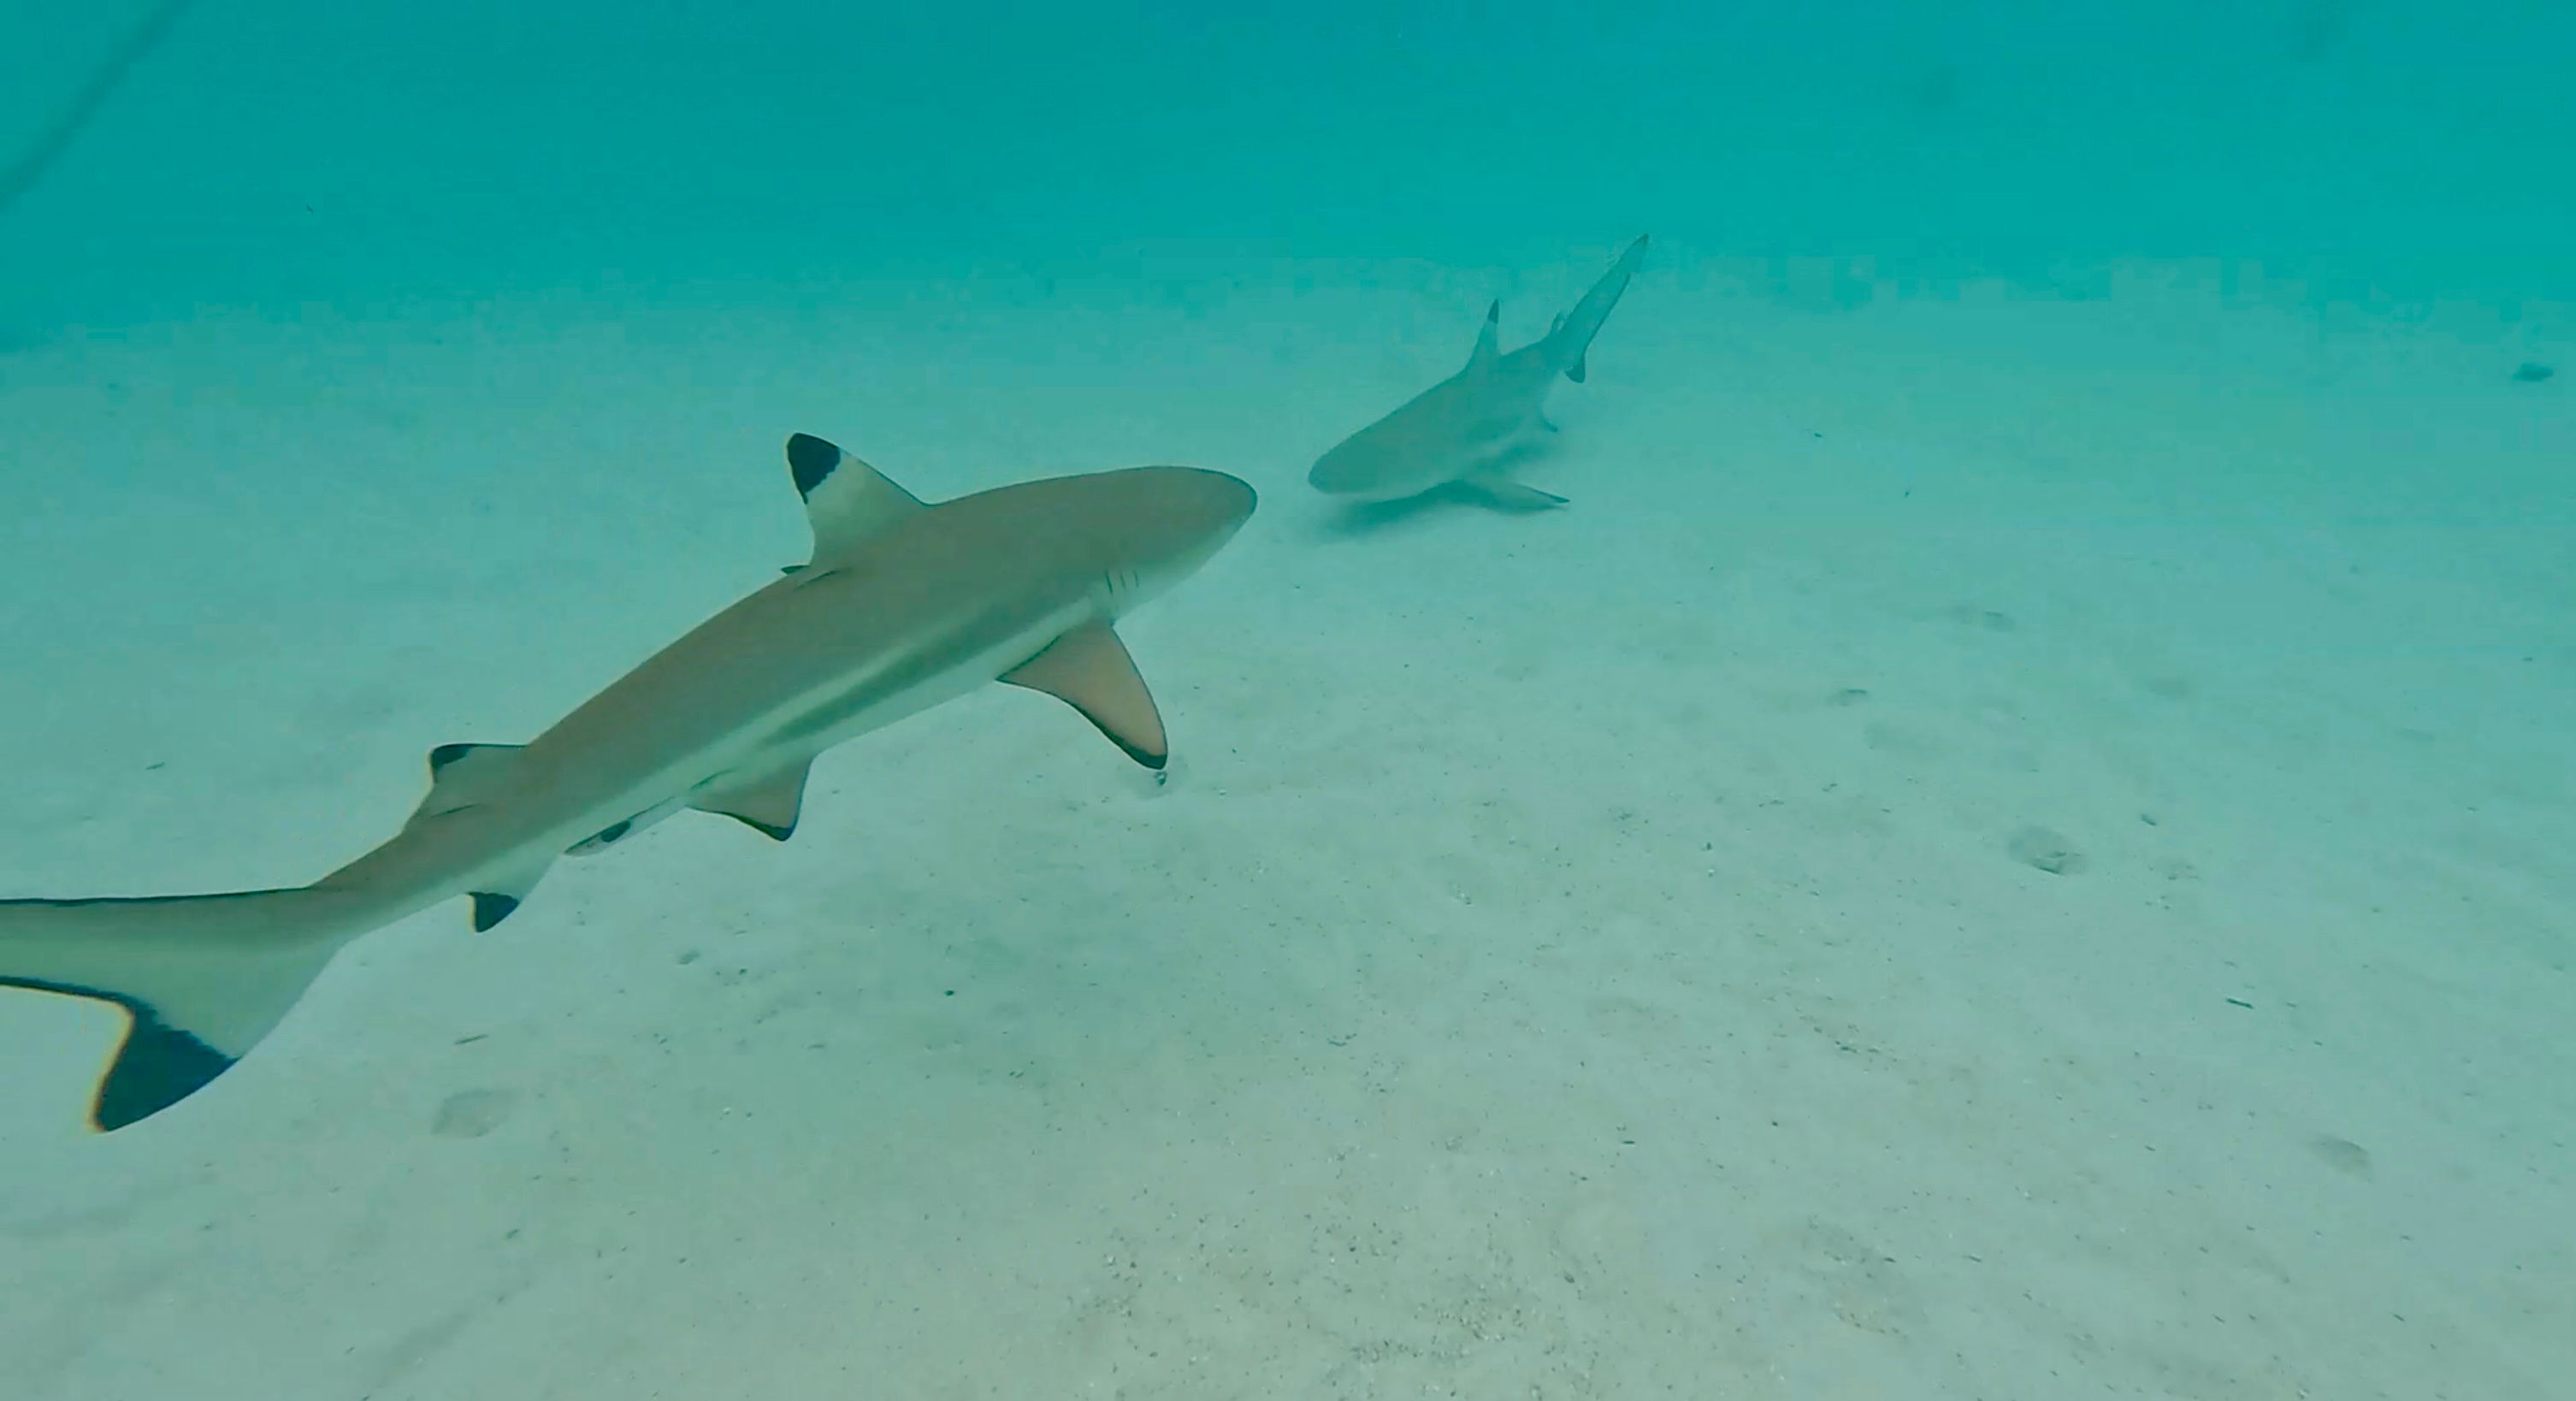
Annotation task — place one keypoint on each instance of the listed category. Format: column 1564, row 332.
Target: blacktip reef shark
column 1466, row 427
column 901, row 606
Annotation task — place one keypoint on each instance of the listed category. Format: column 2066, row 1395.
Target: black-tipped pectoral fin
column 1512, row 495
column 1089, row 669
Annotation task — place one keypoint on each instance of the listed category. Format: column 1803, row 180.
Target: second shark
column 1469, row 426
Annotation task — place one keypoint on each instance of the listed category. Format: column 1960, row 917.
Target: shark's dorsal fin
column 1489, row 337
column 461, row 775
column 846, row 500
column 768, row 805
column 1089, row 669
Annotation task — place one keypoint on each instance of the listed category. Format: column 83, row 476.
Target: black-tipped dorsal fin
column 1489, row 337
column 1089, row 669
column 846, row 500
column 769, row 804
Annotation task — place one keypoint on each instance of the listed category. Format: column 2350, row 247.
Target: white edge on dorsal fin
column 846, row 500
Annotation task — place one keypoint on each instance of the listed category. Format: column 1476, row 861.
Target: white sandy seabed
column 2007, row 845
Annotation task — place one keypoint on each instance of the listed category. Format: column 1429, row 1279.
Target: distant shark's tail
column 201, row 978
column 1571, row 336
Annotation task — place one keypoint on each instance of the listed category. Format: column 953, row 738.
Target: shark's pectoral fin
column 1089, row 669
column 1575, row 371
column 846, row 500
column 769, row 805
column 1517, row 496
column 495, row 899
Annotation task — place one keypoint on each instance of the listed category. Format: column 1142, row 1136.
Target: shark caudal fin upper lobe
column 1571, row 336
column 201, row 978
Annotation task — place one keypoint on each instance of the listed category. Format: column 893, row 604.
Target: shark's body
column 1468, row 426
column 902, row 606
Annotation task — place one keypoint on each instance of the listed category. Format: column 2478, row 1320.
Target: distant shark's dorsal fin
column 846, row 499
column 768, row 805
column 1489, row 338
column 1089, row 669
column 462, row 775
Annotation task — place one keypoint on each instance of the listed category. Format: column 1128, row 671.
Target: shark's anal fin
column 1517, row 496
column 1089, row 669
column 497, row 898
column 846, row 500
column 769, row 805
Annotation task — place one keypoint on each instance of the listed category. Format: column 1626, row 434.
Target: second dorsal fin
column 462, row 775
column 846, row 500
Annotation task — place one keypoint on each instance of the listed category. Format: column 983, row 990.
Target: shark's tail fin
column 1571, row 336
column 201, row 979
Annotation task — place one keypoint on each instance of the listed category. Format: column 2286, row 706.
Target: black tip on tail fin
column 200, row 978
column 156, row 1066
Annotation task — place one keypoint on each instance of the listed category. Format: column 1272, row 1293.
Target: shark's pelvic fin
column 769, row 805
column 1089, row 669
column 200, row 978
column 1518, row 496
column 846, row 500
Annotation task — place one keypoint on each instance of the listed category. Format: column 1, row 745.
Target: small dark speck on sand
column 2532, row 372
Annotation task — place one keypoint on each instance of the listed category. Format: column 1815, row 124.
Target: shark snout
column 1180, row 516
column 1339, row 473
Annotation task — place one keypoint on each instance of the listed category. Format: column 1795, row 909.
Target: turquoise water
column 2007, row 841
